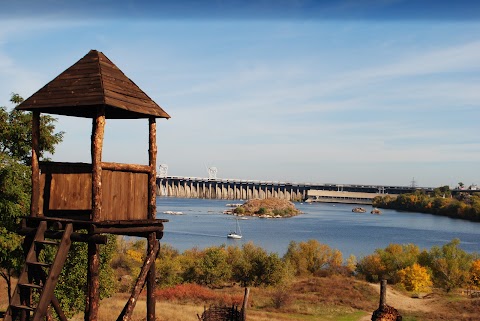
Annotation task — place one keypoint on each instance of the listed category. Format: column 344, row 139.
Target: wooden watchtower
column 100, row 198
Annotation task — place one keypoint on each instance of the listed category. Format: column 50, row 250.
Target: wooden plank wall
column 125, row 194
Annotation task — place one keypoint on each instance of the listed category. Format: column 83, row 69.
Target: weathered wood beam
column 112, row 223
column 34, row 210
column 75, row 237
column 127, row 230
column 152, row 162
column 93, row 277
column 133, row 168
column 58, row 309
column 156, row 222
column 152, row 211
column 98, row 131
column 127, row 311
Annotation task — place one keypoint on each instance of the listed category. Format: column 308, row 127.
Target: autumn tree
column 254, row 266
column 371, row 267
column 450, row 265
column 207, row 267
column 443, row 191
column 214, row 269
column 311, row 257
column 168, row 266
column 386, row 263
column 475, row 273
column 415, row 278
column 396, row 257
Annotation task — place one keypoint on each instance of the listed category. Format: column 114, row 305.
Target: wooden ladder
column 39, row 278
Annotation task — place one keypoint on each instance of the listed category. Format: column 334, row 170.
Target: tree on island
column 274, row 207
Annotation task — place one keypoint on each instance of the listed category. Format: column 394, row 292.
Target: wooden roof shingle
column 91, row 82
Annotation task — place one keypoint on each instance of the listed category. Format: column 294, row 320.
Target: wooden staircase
column 36, row 284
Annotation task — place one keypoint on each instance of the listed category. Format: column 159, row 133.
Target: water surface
column 204, row 224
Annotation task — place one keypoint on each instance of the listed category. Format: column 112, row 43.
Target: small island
column 267, row 208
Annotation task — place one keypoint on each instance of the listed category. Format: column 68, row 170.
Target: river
column 203, row 224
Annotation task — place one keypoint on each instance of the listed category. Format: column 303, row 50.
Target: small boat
column 237, row 234
column 173, row 213
column 359, row 210
column 376, row 211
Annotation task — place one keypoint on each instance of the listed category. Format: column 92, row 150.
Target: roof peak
column 93, row 81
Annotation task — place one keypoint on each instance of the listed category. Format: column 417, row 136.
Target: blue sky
column 360, row 92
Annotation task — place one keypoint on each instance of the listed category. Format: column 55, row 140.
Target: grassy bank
column 316, row 298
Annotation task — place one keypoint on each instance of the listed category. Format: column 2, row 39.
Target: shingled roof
column 91, row 82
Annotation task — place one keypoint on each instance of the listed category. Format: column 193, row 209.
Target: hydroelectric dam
column 232, row 189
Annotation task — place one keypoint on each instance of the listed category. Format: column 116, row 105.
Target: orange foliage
column 475, row 273
column 196, row 293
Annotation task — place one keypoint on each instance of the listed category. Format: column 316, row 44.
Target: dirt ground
column 402, row 302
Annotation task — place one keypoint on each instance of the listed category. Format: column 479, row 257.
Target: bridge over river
column 216, row 188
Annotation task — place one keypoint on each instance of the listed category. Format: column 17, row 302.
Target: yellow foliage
column 351, row 263
column 135, row 255
column 415, row 278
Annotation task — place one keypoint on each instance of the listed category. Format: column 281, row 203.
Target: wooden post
column 93, row 280
column 98, row 131
column 34, row 211
column 152, row 162
column 244, row 305
column 383, row 293
column 152, row 211
column 127, row 311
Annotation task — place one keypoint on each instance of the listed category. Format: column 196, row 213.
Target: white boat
column 237, row 234
column 173, row 213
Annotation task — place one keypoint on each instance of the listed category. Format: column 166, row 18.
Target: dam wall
column 236, row 189
column 188, row 187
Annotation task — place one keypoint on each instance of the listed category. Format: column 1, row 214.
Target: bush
column 281, row 297
column 262, row 211
column 197, row 293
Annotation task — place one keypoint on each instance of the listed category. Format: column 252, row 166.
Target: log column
column 35, row 164
column 93, row 286
column 383, row 294
column 152, row 211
